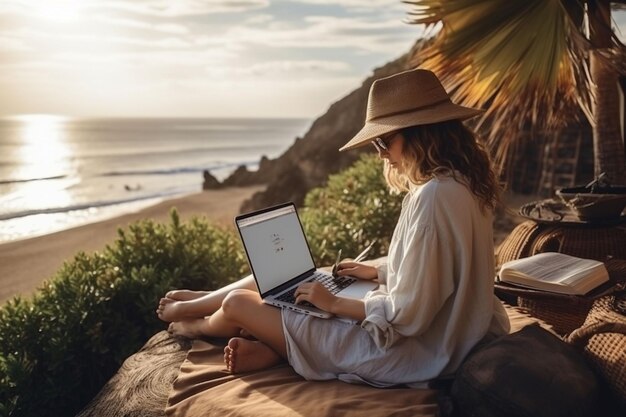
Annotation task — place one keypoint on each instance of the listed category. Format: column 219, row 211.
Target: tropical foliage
column 351, row 211
column 59, row 348
column 530, row 61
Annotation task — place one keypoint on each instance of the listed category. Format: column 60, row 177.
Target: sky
column 192, row 58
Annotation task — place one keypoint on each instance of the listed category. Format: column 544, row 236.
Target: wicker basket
column 604, row 337
column 530, row 238
column 564, row 313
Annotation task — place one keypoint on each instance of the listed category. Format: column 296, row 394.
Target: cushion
column 142, row 385
column 530, row 373
column 204, row 388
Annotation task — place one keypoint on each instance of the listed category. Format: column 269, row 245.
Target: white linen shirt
column 437, row 284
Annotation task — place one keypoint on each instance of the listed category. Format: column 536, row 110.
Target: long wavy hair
column 441, row 149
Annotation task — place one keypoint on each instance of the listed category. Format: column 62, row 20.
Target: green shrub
column 58, row 349
column 354, row 208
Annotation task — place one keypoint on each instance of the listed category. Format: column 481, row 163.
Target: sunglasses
column 381, row 143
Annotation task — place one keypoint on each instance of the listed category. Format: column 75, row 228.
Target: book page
column 556, row 269
column 555, row 272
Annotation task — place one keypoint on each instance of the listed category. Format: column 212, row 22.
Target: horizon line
column 63, row 117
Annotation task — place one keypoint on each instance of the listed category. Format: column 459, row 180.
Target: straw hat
column 409, row 98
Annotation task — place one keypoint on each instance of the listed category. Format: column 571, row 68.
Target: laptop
column 281, row 260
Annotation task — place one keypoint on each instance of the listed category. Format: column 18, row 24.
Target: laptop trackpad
column 357, row 289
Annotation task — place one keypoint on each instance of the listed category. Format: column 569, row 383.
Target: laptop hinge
column 283, row 287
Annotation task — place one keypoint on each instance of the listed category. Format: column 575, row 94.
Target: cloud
column 8, row 44
column 358, row 34
column 13, row 7
column 155, row 64
column 282, row 68
column 172, row 28
column 170, row 8
column 359, row 5
column 156, row 8
column 96, row 41
column 303, row 96
column 289, row 66
column 205, row 57
column 258, row 19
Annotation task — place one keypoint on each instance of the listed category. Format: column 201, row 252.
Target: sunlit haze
column 192, row 58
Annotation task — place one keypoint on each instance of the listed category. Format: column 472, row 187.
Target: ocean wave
column 92, row 204
column 172, row 171
column 180, row 170
column 141, row 172
column 21, row 180
column 254, row 149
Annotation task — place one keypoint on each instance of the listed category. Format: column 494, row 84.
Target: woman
column 435, row 300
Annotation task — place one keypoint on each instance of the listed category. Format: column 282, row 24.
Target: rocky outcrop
column 311, row 159
column 242, row 177
column 210, row 182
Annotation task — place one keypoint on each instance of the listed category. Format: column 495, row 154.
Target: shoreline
column 68, row 223
column 26, row 263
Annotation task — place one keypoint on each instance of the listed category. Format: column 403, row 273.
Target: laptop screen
column 276, row 246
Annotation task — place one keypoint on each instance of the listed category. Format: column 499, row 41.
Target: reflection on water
column 43, row 147
column 56, row 173
column 43, row 150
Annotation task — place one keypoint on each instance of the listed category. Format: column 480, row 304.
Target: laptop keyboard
column 334, row 285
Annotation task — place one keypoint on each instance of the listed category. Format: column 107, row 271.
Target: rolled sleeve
column 417, row 291
column 382, row 273
column 376, row 322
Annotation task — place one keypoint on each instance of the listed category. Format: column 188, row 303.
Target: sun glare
column 44, row 151
column 44, row 145
column 55, row 10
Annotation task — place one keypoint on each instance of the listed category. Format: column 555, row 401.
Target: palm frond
column 524, row 61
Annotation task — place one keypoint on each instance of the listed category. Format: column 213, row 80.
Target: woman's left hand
column 316, row 294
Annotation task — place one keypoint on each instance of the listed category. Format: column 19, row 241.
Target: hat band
column 429, row 106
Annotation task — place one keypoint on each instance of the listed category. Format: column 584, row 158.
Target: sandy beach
column 26, row 264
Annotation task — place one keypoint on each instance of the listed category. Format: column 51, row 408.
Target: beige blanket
column 203, row 388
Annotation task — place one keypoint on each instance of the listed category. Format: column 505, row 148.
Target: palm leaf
column 522, row 60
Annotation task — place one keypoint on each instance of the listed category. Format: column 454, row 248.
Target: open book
column 555, row 272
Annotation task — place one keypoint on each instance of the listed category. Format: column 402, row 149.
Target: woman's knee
column 238, row 301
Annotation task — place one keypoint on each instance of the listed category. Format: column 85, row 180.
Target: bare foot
column 187, row 328
column 172, row 306
column 185, row 295
column 243, row 355
column 170, row 310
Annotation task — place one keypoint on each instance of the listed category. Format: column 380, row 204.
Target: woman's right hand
column 357, row 270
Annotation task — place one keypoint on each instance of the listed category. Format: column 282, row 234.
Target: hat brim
column 384, row 125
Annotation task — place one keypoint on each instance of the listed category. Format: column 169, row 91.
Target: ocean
column 57, row 173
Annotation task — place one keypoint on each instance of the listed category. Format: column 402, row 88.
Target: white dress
column 435, row 300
